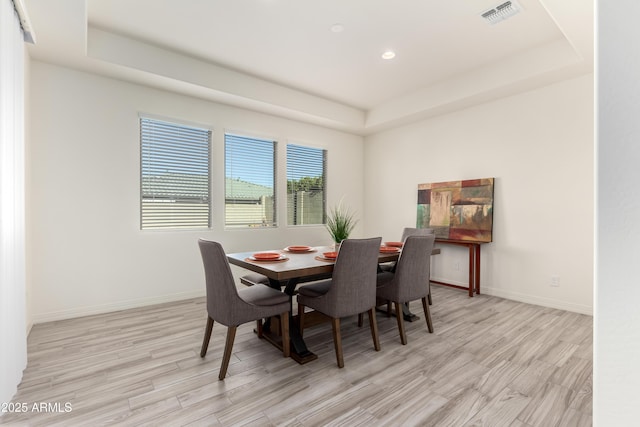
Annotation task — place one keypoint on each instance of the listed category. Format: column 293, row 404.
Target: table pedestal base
column 301, row 358
column 299, row 351
column 408, row 315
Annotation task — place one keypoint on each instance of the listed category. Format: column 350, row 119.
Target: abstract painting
column 457, row 210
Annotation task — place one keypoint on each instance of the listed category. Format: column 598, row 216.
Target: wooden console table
column 474, row 264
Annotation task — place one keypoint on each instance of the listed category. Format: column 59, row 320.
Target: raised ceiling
column 281, row 57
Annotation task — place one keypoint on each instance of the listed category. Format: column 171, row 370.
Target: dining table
column 290, row 268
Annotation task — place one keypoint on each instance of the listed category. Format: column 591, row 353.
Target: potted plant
column 340, row 223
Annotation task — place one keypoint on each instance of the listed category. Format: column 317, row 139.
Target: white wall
column 539, row 147
column 27, row 136
column 86, row 253
column 13, row 329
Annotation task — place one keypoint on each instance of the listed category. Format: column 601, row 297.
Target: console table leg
column 471, row 270
column 477, row 274
column 474, row 265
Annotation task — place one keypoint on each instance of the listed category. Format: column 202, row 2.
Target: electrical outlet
column 555, row 281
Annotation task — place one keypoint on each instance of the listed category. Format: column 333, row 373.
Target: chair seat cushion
column 263, row 295
column 387, row 266
column 253, row 279
column 315, row 289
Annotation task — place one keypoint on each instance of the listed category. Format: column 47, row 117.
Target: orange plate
column 388, row 250
column 299, row 248
column 393, row 244
column 262, row 256
column 330, row 255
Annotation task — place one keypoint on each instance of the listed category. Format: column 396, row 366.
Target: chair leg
column 228, row 346
column 360, row 320
column 373, row 324
column 400, row 319
column 300, row 318
column 259, row 328
column 337, row 341
column 427, row 315
column 286, row 345
column 429, row 295
column 207, row 336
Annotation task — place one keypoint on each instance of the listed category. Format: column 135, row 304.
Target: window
column 174, row 175
column 249, row 181
column 306, row 177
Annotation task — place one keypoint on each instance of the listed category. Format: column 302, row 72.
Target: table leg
column 474, row 266
column 299, row 351
column 477, row 274
column 471, row 269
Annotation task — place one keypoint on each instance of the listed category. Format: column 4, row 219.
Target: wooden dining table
column 296, row 267
column 286, row 273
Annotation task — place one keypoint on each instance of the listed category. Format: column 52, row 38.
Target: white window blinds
column 306, row 178
column 249, row 181
column 174, row 180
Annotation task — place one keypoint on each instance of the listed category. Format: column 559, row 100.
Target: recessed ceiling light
column 337, row 28
column 389, row 55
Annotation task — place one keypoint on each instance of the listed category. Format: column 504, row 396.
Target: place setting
column 267, row 257
column 328, row 256
column 394, row 244
column 300, row 249
column 391, row 247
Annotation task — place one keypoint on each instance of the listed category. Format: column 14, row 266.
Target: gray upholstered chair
column 406, row 232
column 230, row 307
column 351, row 290
column 410, row 281
column 409, row 231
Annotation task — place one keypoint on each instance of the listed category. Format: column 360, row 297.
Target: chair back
column 353, row 283
column 409, row 231
column 222, row 296
column 413, row 269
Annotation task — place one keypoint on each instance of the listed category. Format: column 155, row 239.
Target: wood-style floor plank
column 490, row 362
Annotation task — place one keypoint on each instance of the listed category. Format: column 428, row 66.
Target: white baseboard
column 116, row 306
column 141, row 302
column 526, row 298
column 536, row 300
column 452, row 282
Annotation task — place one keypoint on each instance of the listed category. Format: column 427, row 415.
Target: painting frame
column 457, row 210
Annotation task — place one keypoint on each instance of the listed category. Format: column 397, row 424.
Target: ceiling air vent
column 501, row 12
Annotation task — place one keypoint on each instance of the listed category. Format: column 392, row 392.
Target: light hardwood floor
column 490, row 362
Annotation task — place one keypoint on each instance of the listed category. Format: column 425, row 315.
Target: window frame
column 273, row 206
column 323, row 210
column 175, row 222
